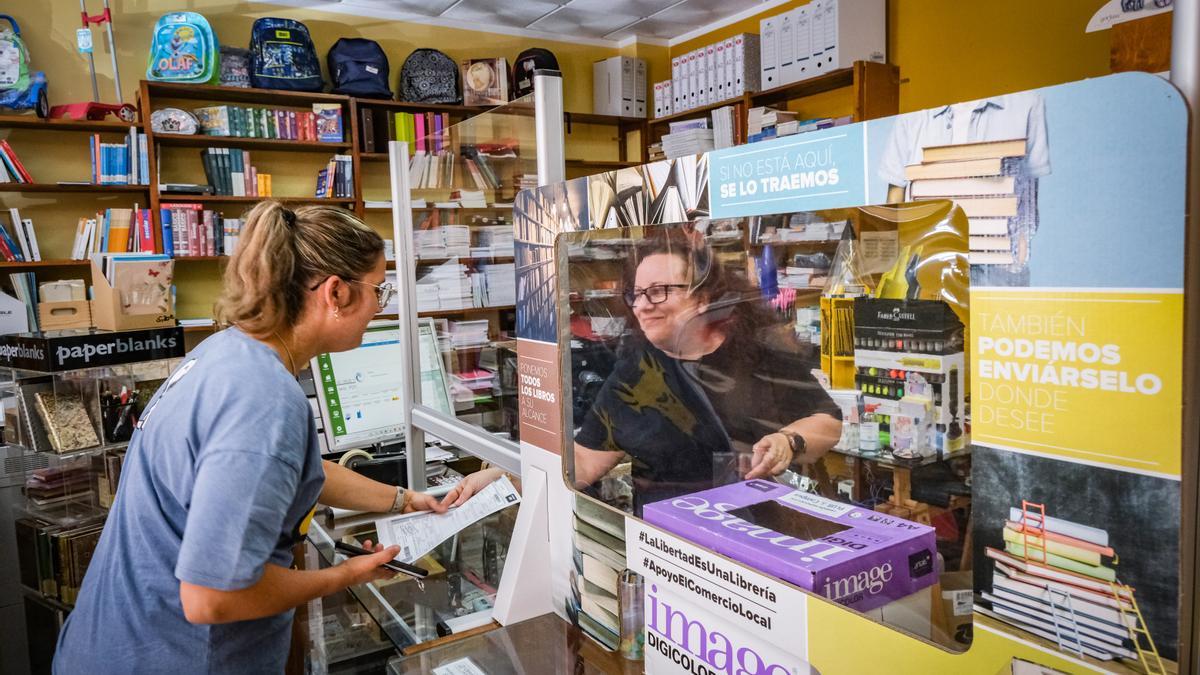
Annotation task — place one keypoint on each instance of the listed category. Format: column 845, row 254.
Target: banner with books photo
column 1074, row 197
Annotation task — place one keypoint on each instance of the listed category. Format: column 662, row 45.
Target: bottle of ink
column 868, row 432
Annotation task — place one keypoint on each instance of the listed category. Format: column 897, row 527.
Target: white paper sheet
column 418, row 533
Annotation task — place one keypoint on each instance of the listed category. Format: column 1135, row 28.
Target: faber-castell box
column 853, row 556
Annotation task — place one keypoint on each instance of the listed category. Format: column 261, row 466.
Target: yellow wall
column 956, row 50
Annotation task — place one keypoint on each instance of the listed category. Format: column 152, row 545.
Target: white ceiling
column 591, row 21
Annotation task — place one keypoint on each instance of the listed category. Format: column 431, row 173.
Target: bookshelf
column 875, row 93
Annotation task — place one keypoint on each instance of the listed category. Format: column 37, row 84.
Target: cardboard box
column 109, row 309
column 853, row 556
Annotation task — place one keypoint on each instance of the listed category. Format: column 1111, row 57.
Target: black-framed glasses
column 383, row 292
column 655, row 294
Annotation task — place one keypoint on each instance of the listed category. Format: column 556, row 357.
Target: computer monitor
column 358, row 391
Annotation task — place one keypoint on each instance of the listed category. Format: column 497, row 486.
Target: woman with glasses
column 193, row 572
column 708, row 378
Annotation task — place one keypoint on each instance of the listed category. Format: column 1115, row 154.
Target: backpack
column 282, row 56
column 358, row 67
column 183, row 49
column 235, row 67
column 429, row 76
column 530, row 60
column 14, row 58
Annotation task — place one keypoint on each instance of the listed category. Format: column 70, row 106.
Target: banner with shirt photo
column 1074, row 200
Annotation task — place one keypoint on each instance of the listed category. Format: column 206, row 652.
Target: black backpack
column 429, row 76
column 282, row 56
column 529, row 61
column 358, row 67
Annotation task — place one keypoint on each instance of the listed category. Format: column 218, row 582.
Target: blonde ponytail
column 281, row 252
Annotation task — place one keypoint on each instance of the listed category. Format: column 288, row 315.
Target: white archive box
column 722, row 83
column 747, row 64
column 693, row 74
column 710, row 70
column 676, row 82
column 768, row 30
column 701, row 77
column 822, row 36
column 639, row 88
column 663, row 98
column 614, row 87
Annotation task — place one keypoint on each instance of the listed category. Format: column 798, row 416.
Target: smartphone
column 394, row 565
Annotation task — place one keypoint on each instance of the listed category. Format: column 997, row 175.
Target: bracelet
column 400, row 501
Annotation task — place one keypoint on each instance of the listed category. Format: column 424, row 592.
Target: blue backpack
column 358, row 67
column 183, row 49
column 282, row 56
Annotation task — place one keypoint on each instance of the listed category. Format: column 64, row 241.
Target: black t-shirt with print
column 675, row 417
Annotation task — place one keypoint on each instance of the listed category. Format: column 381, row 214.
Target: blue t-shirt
column 220, row 478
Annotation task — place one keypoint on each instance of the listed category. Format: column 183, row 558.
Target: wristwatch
column 400, row 501
column 797, row 443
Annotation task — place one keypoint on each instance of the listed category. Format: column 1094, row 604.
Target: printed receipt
column 418, row 533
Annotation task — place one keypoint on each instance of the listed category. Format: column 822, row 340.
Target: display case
column 71, row 400
column 404, row 615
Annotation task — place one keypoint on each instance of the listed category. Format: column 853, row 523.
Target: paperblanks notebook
column 66, row 420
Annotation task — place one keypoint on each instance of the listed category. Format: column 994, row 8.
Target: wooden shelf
column 602, row 164
column 53, row 187
column 408, row 106
column 199, row 329
column 58, row 262
column 467, row 258
column 469, row 310
column 593, row 118
column 265, row 97
column 835, row 79
column 273, row 144
column 201, row 258
column 219, row 199
column 693, row 112
column 88, row 126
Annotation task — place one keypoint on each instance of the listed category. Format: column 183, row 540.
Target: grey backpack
column 429, row 76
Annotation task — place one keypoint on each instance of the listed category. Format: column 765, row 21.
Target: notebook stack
column 1053, row 579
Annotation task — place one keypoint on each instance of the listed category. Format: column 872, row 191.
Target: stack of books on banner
column 691, row 137
column 980, row 178
column 1051, row 579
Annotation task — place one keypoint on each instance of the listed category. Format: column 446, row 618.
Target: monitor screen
column 360, row 391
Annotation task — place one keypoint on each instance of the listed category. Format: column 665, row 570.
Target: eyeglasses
column 656, row 294
column 383, row 292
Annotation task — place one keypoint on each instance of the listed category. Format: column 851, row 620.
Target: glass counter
column 464, row 575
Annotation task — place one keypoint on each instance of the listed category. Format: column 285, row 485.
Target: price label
column 83, row 40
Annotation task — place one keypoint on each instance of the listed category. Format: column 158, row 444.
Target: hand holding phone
column 393, row 565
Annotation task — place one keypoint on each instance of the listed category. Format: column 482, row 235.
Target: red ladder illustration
column 1132, row 618
column 1067, row 635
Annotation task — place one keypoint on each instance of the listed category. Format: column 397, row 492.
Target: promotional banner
column 1074, row 197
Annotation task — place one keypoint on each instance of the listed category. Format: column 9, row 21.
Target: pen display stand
column 140, row 297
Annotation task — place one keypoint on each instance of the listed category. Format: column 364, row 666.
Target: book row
column 323, row 123
column 229, row 172
column 125, row 163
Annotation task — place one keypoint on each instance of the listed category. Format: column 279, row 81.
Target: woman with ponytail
column 193, row 572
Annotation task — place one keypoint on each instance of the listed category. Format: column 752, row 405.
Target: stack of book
column 190, row 230
column 726, row 131
column 447, row 287
column 11, row 168
column 1052, row 581
column 524, row 181
column 457, row 240
column 493, row 240
column 230, row 172
column 600, row 542
column 24, row 246
column 762, row 122
column 468, row 333
column 655, row 152
column 473, row 387
column 980, row 178
column 494, row 285
column 322, row 123
column 53, row 558
column 808, row 272
column 336, row 180
column 125, row 163
column 792, row 127
column 692, row 137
